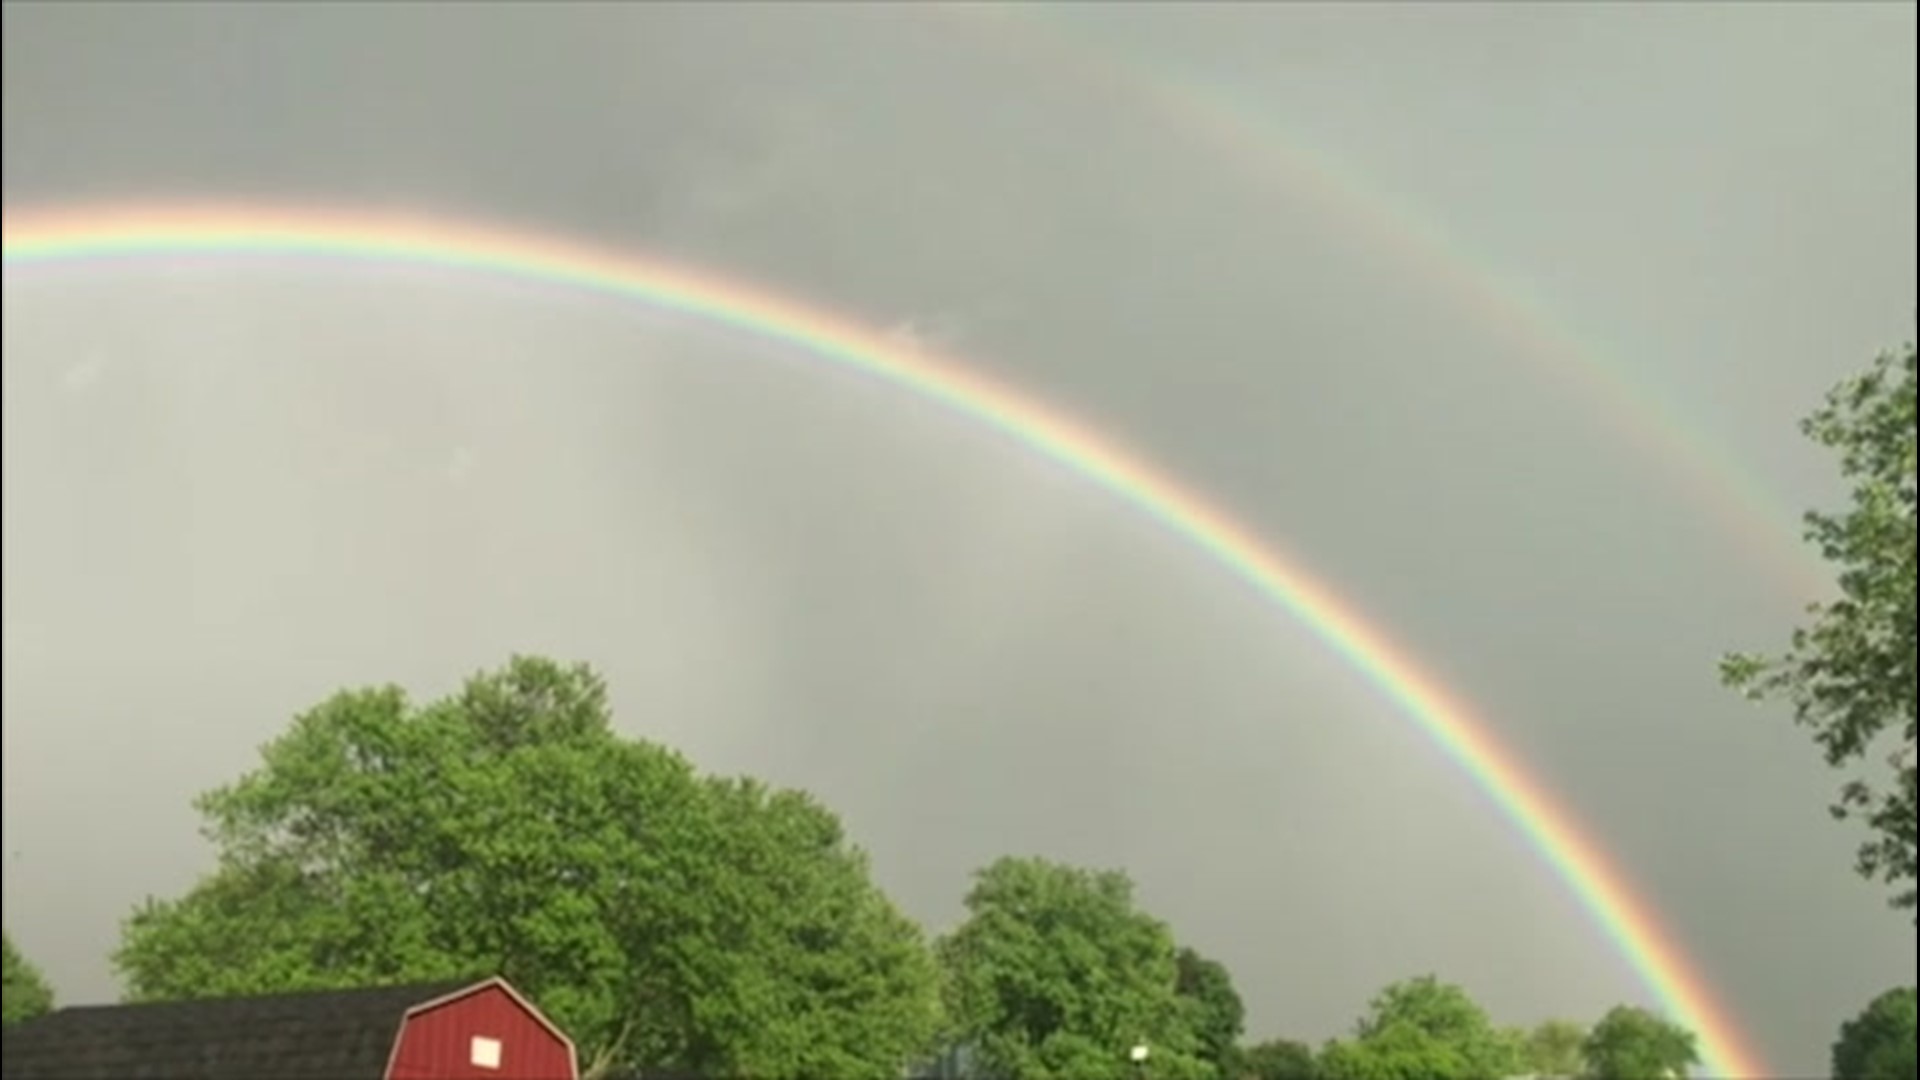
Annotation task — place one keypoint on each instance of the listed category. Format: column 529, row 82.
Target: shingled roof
column 320, row 1035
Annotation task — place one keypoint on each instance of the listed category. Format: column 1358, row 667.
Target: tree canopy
column 26, row 993
column 1215, row 1009
column 1422, row 1028
column 1554, row 1048
column 1278, row 1059
column 1893, row 1061
column 1056, row 974
column 1879, row 1043
column 1849, row 673
column 1630, row 1043
column 663, row 918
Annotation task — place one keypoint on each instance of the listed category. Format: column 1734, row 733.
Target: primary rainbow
column 91, row 234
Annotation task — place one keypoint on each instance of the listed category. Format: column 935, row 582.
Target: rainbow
column 1471, row 282
column 47, row 237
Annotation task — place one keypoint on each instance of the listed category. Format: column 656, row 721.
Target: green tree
column 26, row 993
column 1630, row 1043
column 1553, row 1048
column 1880, row 1039
column 1399, row 1052
column 1278, row 1059
column 663, row 918
column 1422, row 1028
column 1055, row 974
column 807, row 938
column 1849, row 674
column 1216, row 1012
column 1892, row 1061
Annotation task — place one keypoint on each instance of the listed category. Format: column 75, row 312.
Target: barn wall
column 438, row 1044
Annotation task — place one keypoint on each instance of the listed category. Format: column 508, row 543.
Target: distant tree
column 1397, row 1052
column 1879, row 1043
column 666, row 920
column 1553, row 1048
column 1278, row 1059
column 26, row 993
column 1850, row 673
column 1892, row 1061
column 1631, row 1043
column 1422, row 1029
column 1217, row 1014
column 1055, row 975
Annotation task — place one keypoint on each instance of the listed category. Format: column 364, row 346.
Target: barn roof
column 318, row 1035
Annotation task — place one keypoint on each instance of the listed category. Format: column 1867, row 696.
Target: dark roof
column 320, row 1035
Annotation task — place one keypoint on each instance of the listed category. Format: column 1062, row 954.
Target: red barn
column 474, row 1030
column 486, row 1031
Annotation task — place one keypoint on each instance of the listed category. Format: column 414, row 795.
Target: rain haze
column 1286, row 252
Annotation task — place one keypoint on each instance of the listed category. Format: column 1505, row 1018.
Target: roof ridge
column 439, row 986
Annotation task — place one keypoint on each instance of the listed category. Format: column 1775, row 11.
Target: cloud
column 752, row 160
column 938, row 333
column 82, row 377
column 460, row 464
column 825, row 579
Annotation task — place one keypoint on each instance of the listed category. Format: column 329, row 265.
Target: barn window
column 486, row 1052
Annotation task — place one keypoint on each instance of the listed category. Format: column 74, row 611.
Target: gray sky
column 228, row 492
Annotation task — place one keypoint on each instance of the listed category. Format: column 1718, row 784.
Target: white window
column 485, row 1053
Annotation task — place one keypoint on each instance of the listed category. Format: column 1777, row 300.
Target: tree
column 807, row 938
column 1216, row 1012
column 1849, row 674
column 1892, row 1061
column 1631, row 1043
column 1422, row 1028
column 1278, row 1059
column 1398, row 1052
column 1879, row 1043
column 1553, row 1048
column 1055, row 974
column 26, row 993
column 664, row 919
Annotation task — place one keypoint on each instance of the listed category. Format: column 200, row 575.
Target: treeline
column 720, row 927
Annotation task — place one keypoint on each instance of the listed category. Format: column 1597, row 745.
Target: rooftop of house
column 318, row 1035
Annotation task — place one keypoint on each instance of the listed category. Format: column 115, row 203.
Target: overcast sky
column 229, row 491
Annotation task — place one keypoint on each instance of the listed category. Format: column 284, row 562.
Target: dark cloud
column 227, row 493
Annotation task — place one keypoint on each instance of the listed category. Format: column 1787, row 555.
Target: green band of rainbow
column 82, row 234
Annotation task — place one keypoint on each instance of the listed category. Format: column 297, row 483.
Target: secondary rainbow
column 1439, row 257
column 44, row 237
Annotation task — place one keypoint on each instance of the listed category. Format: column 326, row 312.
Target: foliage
column 1422, row 1029
column 1278, row 1059
column 26, row 993
column 819, row 967
column 1850, row 673
column 1631, row 1043
column 1216, row 1013
column 1880, row 1041
column 1397, row 1052
column 1055, row 974
column 1891, row 1061
column 662, row 918
column 1553, row 1048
